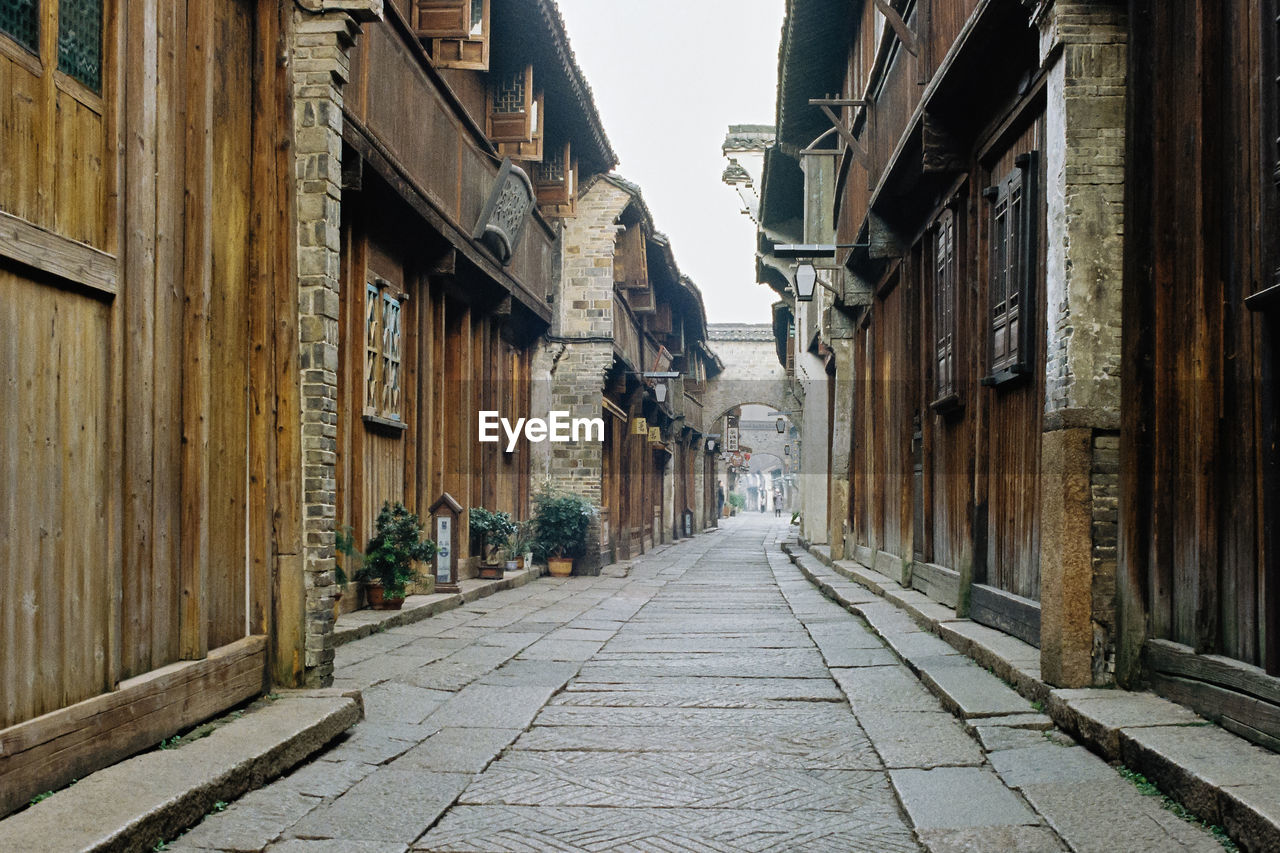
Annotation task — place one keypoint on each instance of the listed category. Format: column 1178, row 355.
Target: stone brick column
column 840, row 332
column 578, row 352
column 323, row 34
column 1084, row 157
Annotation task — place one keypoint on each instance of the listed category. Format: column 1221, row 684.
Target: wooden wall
column 459, row 356
column 1199, row 523
column 150, row 439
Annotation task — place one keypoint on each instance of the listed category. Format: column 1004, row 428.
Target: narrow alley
column 707, row 698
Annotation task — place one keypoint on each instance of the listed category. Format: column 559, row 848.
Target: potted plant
column 386, row 566
column 563, row 522
column 493, row 531
column 737, row 503
column 522, row 544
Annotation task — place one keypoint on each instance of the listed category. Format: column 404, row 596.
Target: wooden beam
column 197, row 292
column 940, row 151
column 859, row 152
column 49, row 751
column 909, row 41
column 73, row 262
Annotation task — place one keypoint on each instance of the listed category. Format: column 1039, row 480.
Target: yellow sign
column 655, row 435
column 639, row 426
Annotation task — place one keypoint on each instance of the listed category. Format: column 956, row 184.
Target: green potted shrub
column 493, row 530
column 563, row 522
column 737, row 503
column 386, row 566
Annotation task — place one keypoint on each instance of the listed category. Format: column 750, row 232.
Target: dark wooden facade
column 150, row 530
column 960, row 407
column 1199, row 530
column 425, row 133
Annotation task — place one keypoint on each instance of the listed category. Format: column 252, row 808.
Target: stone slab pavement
column 711, row 699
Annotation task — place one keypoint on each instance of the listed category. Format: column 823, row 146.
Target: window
column 20, row 21
column 79, row 26
column 80, row 41
column 945, row 268
column 383, row 346
column 455, row 31
column 555, row 181
column 1011, row 278
column 515, row 114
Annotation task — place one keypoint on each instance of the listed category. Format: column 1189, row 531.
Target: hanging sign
column 731, row 440
column 639, row 426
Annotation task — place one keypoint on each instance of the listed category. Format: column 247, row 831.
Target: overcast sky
column 669, row 77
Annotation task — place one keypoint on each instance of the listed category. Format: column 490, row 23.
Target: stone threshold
column 1222, row 778
column 361, row 623
column 134, row 805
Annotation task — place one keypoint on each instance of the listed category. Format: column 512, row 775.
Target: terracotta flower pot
column 490, row 572
column 378, row 599
column 337, row 610
column 560, row 567
column 520, row 562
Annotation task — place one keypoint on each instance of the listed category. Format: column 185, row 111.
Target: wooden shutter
column 944, row 306
column 630, row 261
column 1268, row 293
column 555, row 182
column 439, row 19
column 457, row 32
column 1012, row 275
column 660, row 321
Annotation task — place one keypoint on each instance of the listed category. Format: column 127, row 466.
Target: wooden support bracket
column 900, row 28
column 859, row 152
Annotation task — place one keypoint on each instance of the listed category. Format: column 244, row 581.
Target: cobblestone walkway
column 699, row 701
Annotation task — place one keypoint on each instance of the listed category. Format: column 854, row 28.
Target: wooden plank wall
column 1013, row 418
column 1195, row 525
column 125, row 548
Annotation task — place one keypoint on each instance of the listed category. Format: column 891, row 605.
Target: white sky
column 669, row 77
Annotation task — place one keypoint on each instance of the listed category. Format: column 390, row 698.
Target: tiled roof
column 735, row 174
column 748, row 137
column 740, row 332
column 811, row 64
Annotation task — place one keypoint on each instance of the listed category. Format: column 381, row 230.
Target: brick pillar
column 323, row 34
column 1084, row 156
column 579, row 351
column 840, row 331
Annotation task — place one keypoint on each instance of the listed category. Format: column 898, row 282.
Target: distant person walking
column 777, row 503
column 719, row 500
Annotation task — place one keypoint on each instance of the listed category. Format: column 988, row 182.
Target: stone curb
column 132, row 805
column 359, row 624
column 1222, row 778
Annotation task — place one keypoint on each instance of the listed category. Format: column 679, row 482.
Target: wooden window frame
column 38, row 62
column 945, row 296
column 517, row 134
column 444, row 26
column 379, row 362
column 1011, row 273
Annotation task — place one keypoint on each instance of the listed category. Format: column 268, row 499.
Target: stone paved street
column 706, row 698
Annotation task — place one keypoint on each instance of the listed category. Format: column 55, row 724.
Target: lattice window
column 373, row 340
column 553, row 165
column 510, row 92
column 944, row 306
column 1011, row 283
column 80, row 41
column 391, row 338
column 20, row 21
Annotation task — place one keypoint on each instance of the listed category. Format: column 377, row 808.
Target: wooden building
column 630, row 347
column 436, row 326
column 151, row 533
column 1045, row 209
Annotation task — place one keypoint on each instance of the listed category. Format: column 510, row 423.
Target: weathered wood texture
column 49, row 751
column 1198, row 526
column 152, row 396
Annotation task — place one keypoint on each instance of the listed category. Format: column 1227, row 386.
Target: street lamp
column 806, row 279
column 782, row 425
column 660, row 392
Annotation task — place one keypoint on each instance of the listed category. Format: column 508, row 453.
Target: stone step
column 137, row 803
